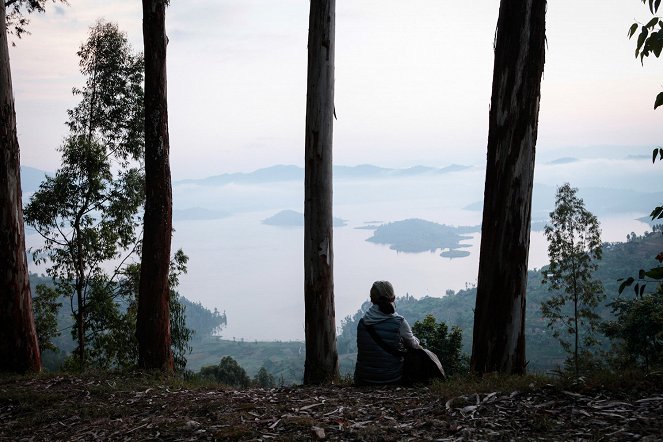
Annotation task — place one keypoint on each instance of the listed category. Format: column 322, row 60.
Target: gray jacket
column 374, row 364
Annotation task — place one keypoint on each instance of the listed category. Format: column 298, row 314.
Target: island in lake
column 292, row 218
column 418, row 235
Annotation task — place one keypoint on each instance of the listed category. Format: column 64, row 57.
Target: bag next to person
column 420, row 365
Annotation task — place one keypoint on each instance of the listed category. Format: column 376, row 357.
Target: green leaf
column 641, row 274
column 625, row 284
column 655, row 154
column 652, row 22
column 657, row 3
column 636, row 289
column 656, row 45
column 656, row 213
column 642, row 289
column 655, row 273
column 632, row 29
column 651, row 6
column 659, row 100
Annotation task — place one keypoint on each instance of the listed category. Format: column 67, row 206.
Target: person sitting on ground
column 375, row 365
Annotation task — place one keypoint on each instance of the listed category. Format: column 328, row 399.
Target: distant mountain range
column 295, row 173
column 31, row 178
column 565, row 160
column 598, row 200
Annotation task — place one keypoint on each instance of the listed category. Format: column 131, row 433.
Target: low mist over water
column 254, row 270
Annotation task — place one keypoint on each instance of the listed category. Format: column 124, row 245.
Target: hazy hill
column 620, row 260
column 295, row 173
column 285, row 360
column 202, row 321
column 600, row 201
column 31, row 178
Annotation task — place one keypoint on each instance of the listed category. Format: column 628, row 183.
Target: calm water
column 255, row 272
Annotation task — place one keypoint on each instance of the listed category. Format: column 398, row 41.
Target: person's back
column 381, row 362
column 374, row 364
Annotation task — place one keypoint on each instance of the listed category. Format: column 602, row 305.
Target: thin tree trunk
column 499, row 317
column 574, row 270
column 575, row 321
column 80, row 325
column 19, row 350
column 153, row 324
column 320, row 328
column 79, row 286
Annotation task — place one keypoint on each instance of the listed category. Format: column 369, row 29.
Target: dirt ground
column 116, row 408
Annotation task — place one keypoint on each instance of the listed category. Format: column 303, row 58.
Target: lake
column 255, row 272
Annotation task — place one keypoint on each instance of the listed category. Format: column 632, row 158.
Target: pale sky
column 413, row 80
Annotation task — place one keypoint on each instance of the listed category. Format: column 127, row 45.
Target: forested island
column 292, row 218
column 418, row 235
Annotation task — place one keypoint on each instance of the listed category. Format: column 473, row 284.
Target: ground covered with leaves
column 146, row 407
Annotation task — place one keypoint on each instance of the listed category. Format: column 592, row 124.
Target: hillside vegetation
column 285, row 360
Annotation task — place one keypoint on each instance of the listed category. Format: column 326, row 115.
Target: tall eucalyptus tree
column 321, row 364
column 19, row 350
column 499, row 316
column 152, row 326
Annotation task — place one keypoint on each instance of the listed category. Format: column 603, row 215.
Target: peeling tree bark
column 19, row 350
column 320, row 328
column 499, row 317
column 153, row 321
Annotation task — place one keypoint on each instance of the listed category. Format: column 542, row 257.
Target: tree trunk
column 80, row 287
column 320, row 328
column 80, row 325
column 19, row 350
column 576, row 333
column 153, row 324
column 499, row 316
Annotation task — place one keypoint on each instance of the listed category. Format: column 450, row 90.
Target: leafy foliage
column 45, row 308
column 204, row 322
column 637, row 332
column 638, row 329
column 111, row 106
column 227, row 372
column 650, row 41
column 574, row 246
column 17, row 11
column 87, row 213
column 86, row 219
column 264, row 379
column 110, row 333
column 446, row 345
column 200, row 323
column 650, row 38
